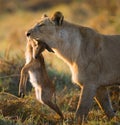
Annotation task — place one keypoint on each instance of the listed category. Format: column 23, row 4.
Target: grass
column 28, row 111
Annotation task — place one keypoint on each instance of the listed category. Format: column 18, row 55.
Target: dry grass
column 29, row 111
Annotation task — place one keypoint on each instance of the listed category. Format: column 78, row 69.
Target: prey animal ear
column 58, row 18
column 48, row 48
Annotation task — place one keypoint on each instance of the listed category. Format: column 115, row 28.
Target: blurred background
column 17, row 16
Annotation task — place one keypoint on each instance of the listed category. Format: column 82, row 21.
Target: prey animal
column 44, row 88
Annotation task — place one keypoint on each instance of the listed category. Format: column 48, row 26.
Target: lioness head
column 46, row 29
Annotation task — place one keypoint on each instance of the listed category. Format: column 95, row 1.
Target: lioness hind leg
column 85, row 102
column 103, row 100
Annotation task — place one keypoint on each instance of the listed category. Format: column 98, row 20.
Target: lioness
column 94, row 59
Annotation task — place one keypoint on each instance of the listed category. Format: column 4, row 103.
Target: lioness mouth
column 46, row 46
column 43, row 44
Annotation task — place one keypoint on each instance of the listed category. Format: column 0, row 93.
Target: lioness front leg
column 103, row 100
column 85, row 102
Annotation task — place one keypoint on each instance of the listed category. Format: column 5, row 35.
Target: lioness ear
column 48, row 48
column 57, row 18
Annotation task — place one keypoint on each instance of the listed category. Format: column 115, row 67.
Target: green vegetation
column 16, row 17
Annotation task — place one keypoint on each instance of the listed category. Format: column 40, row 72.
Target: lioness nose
column 28, row 34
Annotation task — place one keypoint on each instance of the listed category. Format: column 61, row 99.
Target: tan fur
column 36, row 69
column 94, row 59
